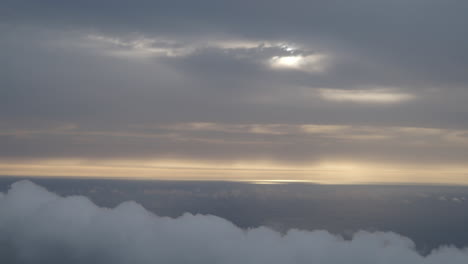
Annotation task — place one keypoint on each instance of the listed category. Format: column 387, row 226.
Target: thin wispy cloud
column 378, row 96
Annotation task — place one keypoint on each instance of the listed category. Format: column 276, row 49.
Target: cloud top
column 39, row 226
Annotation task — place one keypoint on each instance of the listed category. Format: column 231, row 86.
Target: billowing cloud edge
column 37, row 225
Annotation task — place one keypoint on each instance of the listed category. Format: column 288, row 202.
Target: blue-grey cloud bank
column 40, row 226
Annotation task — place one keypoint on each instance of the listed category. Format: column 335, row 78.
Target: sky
column 323, row 91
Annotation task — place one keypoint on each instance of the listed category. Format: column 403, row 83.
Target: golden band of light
column 261, row 172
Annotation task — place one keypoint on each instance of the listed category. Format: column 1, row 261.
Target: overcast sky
column 365, row 88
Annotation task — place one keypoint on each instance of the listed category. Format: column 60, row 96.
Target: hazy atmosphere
column 322, row 91
column 233, row 132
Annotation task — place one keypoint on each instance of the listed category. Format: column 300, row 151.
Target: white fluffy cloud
column 37, row 226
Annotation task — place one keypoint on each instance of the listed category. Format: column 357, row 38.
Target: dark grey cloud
column 38, row 225
column 428, row 34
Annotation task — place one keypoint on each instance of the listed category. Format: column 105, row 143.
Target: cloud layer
column 39, row 226
column 110, row 73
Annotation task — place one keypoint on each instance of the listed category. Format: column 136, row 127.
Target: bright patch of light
column 309, row 63
column 364, row 96
column 286, row 62
column 288, row 47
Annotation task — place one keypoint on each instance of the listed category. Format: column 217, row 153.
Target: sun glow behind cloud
column 290, row 56
column 140, row 47
column 308, row 63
